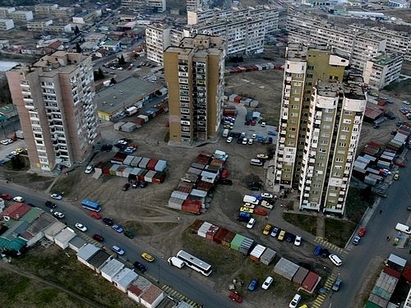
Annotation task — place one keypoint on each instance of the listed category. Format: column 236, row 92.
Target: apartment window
column 338, row 160
column 333, row 77
column 35, row 122
column 39, row 141
column 343, row 137
column 345, row 129
column 309, row 75
column 324, row 142
column 310, row 67
column 346, row 121
column 296, row 99
column 342, row 144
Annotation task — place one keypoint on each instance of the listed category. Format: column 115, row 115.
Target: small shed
column 286, row 268
column 51, row 232
column 268, row 256
column 111, row 269
column 64, row 237
column 124, row 278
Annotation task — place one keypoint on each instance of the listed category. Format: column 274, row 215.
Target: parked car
column 337, row 284
column 275, row 232
column 289, row 238
column 18, row 199
column 250, row 223
column 396, row 176
column 56, row 196
column 253, row 285
column 89, row 169
column 250, row 141
column 335, row 259
column 98, row 237
column 50, row 204
column 225, row 182
column 245, row 140
column 118, row 250
column 143, row 184
column 267, row 229
column 229, row 139
column 81, row 227
column 108, row 221
column 356, row 240
column 325, row 253
column 129, row 234
column 362, row 232
column 267, row 283
column 235, row 297
column 118, row 228
column 281, row 235
column 126, row 186
column 317, row 250
column 294, row 302
column 141, row 267
column 95, row 215
column 6, row 197
column 146, row 256
column 267, row 195
column 297, row 241
column 58, row 215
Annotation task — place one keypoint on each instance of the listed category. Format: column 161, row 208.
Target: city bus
column 195, row 263
column 91, row 205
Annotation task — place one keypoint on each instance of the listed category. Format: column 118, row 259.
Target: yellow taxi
column 267, row 229
column 146, row 256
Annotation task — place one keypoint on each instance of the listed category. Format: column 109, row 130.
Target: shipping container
column 148, row 177
column 159, row 177
column 212, row 231
column 136, row 160
column 193, row 228
column 118, row 158
column 226, row 241
column 300, row 275
column 257, row 252
column 127, row 161
column 218, row 237
column 113, row 169
column 236, row 242
column 118, row 125
column 310, row 282
column 286, row 268
column 161, row 166
column 139, row 122
column 144, row 117
column 192, row 206
column 128, row 127
column 152, row 164
column 177, row 199
column 268, row 256
column 127, row 172
column 119, row 171
column 202, row 231
column 143, row 163
column 141, row 174
column 246, row 246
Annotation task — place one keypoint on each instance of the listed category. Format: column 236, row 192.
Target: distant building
column 85, row 17
column 321, row 117
column 55, row 102
column 21, row 15
column 6, row 24
column 399, row 4
column 113, row 46
column 383, row 69
column 194, row 72
column 155, row 6
column 5, row 11
column 159, row 36
column 38, row 26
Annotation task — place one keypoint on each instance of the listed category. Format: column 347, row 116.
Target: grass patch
column 304, row 222
column 165, row 226
column 358, row 200
column 12, row 285
column 167, row 137
column 338, row 231
column 65, row 184
column 136, row 228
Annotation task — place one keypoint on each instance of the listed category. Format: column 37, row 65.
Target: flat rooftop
column 124, row 94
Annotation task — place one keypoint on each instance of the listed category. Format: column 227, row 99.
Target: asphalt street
column 356, row 267
column 185, row 280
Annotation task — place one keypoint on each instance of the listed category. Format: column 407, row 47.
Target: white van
column 403, row 228
column 250, row 199
column 176, row 262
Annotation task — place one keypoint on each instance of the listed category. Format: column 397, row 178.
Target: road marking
column 178, row 296
column 343, row 253
column 328, row 285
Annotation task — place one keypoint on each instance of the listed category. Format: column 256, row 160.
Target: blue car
column 253, row 285
column 118, row 228
column 317, row 251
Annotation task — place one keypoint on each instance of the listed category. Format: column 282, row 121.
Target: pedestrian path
column 333, row 248
column 327, row 287
column 178, row 296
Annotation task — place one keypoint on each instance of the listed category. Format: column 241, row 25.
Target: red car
column 98, row 237
column 261, row 212
column 126, row 186
column 361, row 232
column 95, row 215
column 5, row 196
column 235, row 296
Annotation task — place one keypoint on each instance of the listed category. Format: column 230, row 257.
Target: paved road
column 356, row 267
column 184, row 280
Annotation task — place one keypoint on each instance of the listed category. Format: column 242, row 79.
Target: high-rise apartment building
column 55, row 102
column 320, row 123
column 194, row 72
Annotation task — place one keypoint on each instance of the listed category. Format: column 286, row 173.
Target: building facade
column 6, row 24
column 55, row 102
column 159, row 36
column 383, row 69
column 194, row 72
column 320, row 122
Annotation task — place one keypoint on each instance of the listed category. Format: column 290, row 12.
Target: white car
column 56, row 196
column 254, row 136
column 335, row 259
column 5, row 142
column 250, row 141
column 406, row 102
column 229, row 139
column 250, row 223
column 18, row 199
column 81, row 227
column 89, row 169
column 267, row 283
column 267, row 195
column 118, row 250
column 58, row 215
column 297, row 241
column 245, row 140
column 294, row 302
